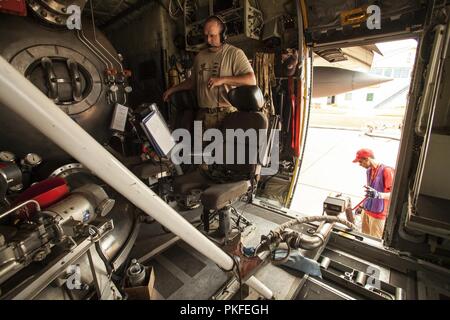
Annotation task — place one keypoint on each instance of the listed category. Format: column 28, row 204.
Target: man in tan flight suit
column 216, row 70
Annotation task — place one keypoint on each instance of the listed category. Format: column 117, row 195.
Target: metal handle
column 38, row 207
column 47, row 64
column 75, row 79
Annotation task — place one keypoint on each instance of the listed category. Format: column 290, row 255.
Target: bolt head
column 39, row 256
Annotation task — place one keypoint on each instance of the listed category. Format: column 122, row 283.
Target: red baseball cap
column 362, row 154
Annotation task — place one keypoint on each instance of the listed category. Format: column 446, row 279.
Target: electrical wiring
column 176, row 12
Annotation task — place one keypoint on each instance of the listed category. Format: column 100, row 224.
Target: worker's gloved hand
column 358, row 210
column 372, row 193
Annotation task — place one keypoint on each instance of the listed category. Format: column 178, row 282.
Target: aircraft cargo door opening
column 355, row 124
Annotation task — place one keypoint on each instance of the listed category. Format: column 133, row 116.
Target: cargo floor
column 181, row 272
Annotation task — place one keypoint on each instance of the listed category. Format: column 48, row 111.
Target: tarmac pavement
column 327, row 165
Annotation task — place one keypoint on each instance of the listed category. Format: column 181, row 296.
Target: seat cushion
column 249, row 146
column 246, row 98
column 193, row 180
column 218, row 196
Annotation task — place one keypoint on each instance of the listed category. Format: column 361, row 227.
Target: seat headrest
column 246, row 98
column 184, row 99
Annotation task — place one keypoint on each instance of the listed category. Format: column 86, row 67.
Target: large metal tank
column 78, row 80
column 117, row 244
column 66, row 70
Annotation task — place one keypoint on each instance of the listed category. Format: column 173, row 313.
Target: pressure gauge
column 32, row 159
column 6, row 156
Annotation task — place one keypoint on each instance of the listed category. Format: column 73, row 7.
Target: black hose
column 108, row 266
column 295, row 239
column 109, row 269
column 300, row 220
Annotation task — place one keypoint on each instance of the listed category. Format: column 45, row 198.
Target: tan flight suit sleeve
column 241, row 64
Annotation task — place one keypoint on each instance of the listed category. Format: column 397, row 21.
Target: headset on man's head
column 223, row 33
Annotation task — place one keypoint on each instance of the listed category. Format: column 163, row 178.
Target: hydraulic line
column 294, row 239
column 90, row 48
column 95, row 39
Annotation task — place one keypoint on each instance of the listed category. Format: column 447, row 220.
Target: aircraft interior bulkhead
column 106, row 193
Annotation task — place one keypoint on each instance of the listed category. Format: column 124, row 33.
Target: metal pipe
column 22, row 97
column 300, row 240
column 92, row 50
column 431, row 86
column 8, row 269
column 95, row 38
column 304, row 241
column 260, row 287
column 318, row 238
column 96, row 49
column 4, row 214
column 310, row 219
